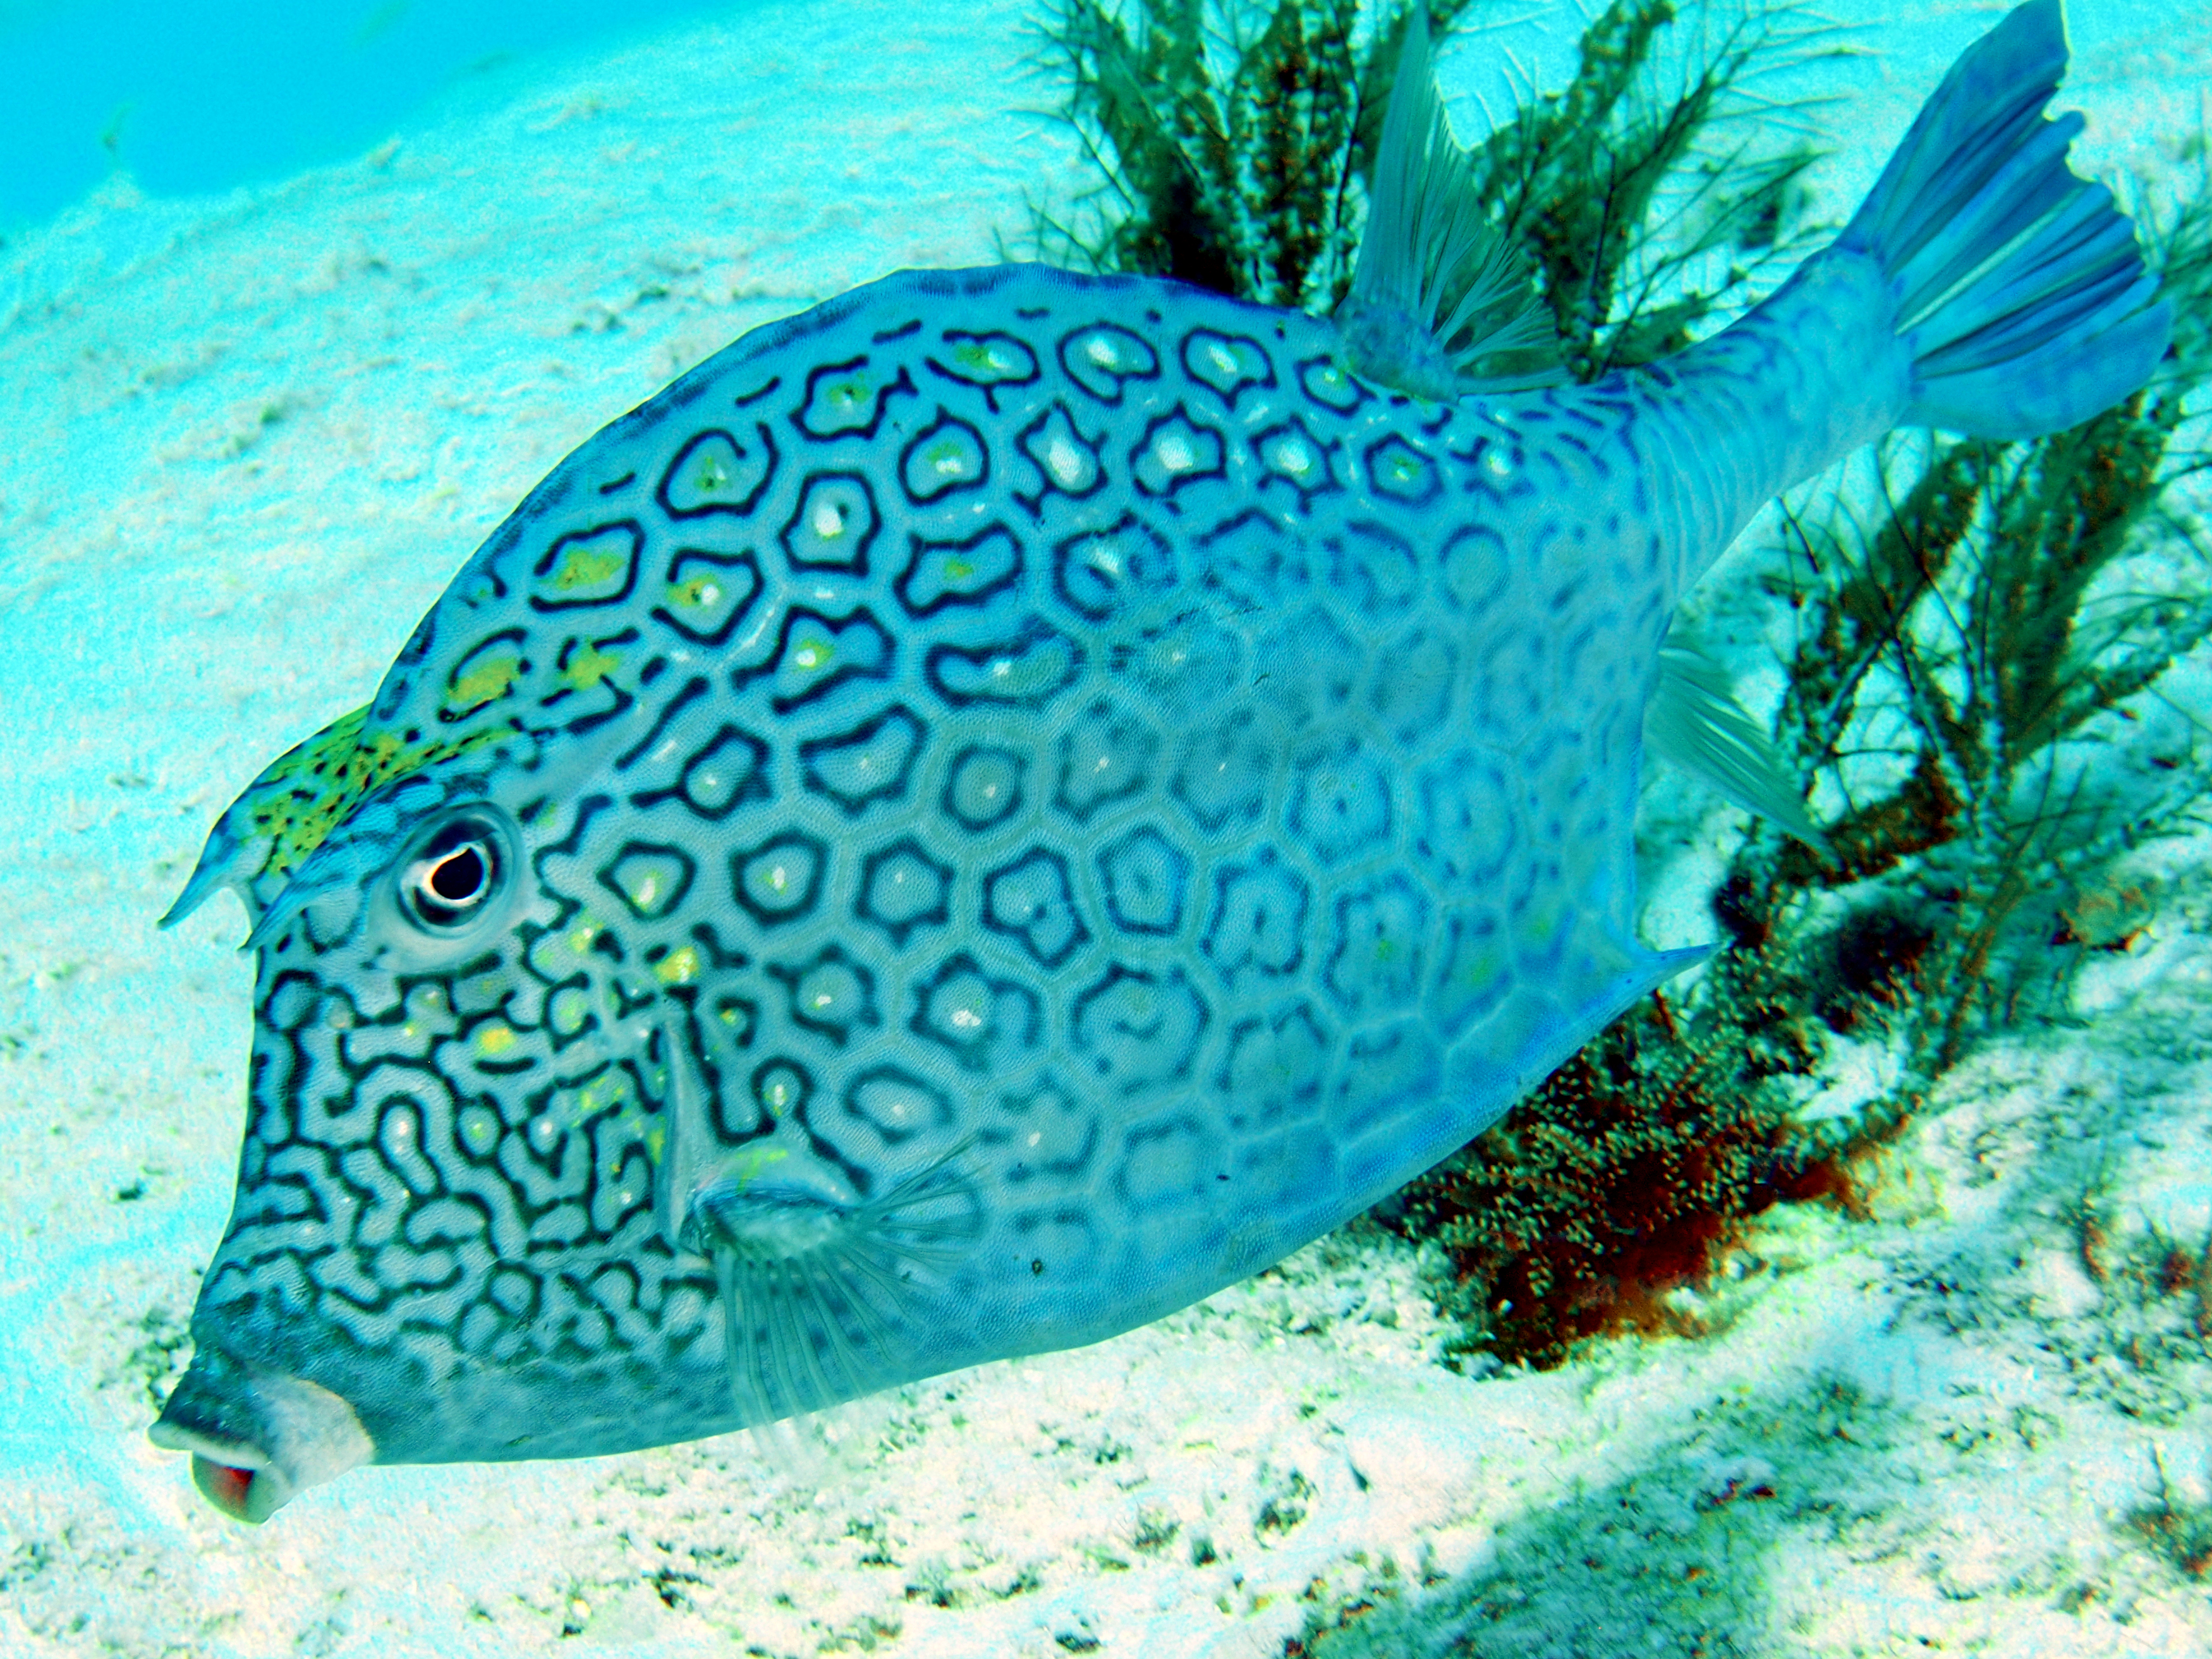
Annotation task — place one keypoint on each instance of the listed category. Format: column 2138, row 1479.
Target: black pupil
column 458, row 877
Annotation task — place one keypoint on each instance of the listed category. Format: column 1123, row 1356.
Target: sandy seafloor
column 247, row 441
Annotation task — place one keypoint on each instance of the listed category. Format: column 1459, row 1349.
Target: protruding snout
column 257, row 1438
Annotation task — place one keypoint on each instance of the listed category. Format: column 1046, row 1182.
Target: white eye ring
column 455, row 874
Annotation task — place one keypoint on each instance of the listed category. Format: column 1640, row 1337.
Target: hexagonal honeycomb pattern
column 1027, row 776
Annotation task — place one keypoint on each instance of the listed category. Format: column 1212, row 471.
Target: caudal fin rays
column 2019, row 289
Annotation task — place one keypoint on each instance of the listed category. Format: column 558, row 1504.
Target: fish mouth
column 257, row 1438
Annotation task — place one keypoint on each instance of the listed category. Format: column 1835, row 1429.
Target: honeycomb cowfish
column 996, row 806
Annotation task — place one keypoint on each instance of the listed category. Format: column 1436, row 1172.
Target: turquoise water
column 195, row 98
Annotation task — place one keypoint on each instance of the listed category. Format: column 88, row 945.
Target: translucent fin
column 1694, row 721
column 819, row 1296
column 2020, row 292
column 785, row 1446
column 689, row 1141
column 276, row 822
column 1440, row 305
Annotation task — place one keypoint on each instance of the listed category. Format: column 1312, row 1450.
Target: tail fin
column 2021, row 296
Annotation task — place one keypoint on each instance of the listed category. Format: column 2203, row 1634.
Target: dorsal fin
column 277, row 821
column 281, row 817
column 1440, row 305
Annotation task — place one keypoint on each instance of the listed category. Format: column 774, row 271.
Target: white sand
column 248, row 442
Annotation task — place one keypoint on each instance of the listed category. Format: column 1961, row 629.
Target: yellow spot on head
column 585, row 565
column 486, row 682
column 588, row 666
column 679, row 967
column 496, row 1039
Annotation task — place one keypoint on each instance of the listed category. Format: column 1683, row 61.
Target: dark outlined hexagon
column 965, row 572
column 717, row 471
column 985, row 1023
column 832, row 992
column 1145, row 877
column 872, row 762
column 1031, row 901
column 1102, row 357
column 708, row 594
column 1378, row 939
column 1026, row 670
column 1066, row 460
column 986, row 360
column 1400, row 472
column 902, row 890
column 723, row 774
column 650, row 879
column 587, row 569
column 1256, row 925
column 1340, row 806
column 897, row 1104
column 834, row 525
column 1177, row 452
column 780, row 880
column 815, row 654
column 1106, row 755
column 1136, row 1030
column 1226, row 364
column 849, row 399
column 1101, row 572
column 947, row 456
column 983, row 786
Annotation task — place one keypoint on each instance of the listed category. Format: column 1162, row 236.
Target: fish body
column 981, row 814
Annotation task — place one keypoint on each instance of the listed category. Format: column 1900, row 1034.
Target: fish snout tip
column 257, row 1438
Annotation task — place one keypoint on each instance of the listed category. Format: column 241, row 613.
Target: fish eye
column 454, row 875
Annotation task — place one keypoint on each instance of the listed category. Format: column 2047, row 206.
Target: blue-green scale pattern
column 1064, row 740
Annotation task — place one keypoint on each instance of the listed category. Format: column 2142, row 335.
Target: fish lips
column 257, row 1438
